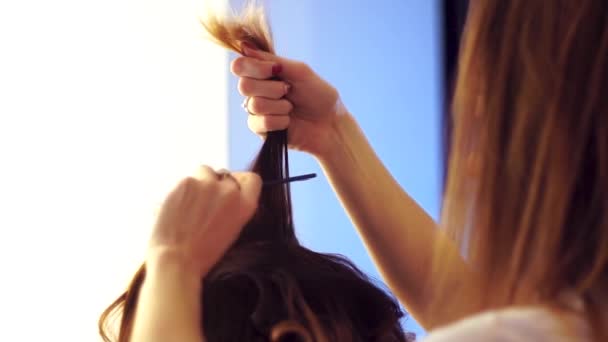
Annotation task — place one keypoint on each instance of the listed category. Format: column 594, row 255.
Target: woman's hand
column 202, row 217
column 296, row 97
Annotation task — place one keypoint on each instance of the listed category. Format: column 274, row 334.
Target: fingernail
column 276, row 69
column 287, row 88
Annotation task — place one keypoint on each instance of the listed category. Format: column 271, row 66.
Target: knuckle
column 267, row 121
column 288, row 106
column 279, row 90
column 251, row 123
column 245, row 86
column 334, row 91
column 254, row 124
column 207, row 181
column 303, row 67
column 237, row 66
column 189, row 182
column 207, row 178
column 275, row 123
column 189, row 185
column 257, row 105
column 205, row 169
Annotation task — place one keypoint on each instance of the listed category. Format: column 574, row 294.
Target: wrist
column 339, row 137
column 170, row 264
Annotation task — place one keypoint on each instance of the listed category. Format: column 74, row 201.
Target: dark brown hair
column 527, row 191
column 268, row 287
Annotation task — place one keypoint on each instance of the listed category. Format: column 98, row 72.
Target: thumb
column 251, row 187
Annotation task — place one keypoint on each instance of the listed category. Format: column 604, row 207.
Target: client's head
column 272, row 291
column 268, row 287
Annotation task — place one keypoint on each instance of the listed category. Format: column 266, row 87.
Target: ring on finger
column 245, row 105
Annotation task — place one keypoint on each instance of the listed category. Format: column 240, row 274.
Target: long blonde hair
column 527, row 188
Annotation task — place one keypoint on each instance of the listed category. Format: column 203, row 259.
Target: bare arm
column 168, row 307
column 398, row 233
column 197, row 223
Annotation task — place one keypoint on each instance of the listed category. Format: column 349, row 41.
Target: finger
column 251, row 187
column 204, row 179
column 205, row 173
column 227, row 178
column 261, row 124
column 289, row 68
column 255, row 68
column 230, row 218
column 263, row 88
column 263, row 106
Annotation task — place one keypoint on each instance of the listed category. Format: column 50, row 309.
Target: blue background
column 385, row 59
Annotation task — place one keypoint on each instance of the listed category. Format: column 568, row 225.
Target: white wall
column 104, row 105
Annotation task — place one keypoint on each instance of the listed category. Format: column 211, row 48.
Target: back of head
column 527, row 192
column 285, row 291
column 268, row 287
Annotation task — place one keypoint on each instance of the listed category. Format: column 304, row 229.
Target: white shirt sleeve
column 513, row 325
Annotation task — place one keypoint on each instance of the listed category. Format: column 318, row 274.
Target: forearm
column 168, row 307
column 398, row 233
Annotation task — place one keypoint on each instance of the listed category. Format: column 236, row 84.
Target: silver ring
column 245, row 105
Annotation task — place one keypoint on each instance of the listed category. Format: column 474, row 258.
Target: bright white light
column 104, row 105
